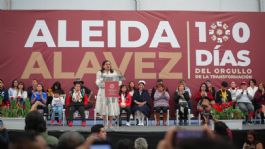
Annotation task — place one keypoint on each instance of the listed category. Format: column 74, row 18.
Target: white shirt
column 252, row 91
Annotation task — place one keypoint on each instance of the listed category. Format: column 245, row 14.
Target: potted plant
column 228, row 113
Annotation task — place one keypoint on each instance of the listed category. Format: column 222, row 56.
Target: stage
column 152, row 133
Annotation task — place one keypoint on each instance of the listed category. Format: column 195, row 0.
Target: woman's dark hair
column 125, row 143
column 59, row 88
column 129, row 87
column 207, row 89
column 255, row 141
column 34, row 121
column 126, row 93
column 252, row 80
column 12, row 85
column 102, row 66
column 21, row 84
column 222, row 130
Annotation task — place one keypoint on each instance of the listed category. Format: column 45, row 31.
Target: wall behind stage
column 171, row 45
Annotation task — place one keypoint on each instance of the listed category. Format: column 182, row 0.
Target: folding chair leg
column 177, row 117
column 189, row 117
column 167, row 117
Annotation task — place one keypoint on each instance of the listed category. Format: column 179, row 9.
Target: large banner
column 169, row 45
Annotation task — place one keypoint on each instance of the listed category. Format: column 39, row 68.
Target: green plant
column 16, row 110
column 226, row 111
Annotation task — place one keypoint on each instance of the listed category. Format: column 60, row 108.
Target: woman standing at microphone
column 106, row 106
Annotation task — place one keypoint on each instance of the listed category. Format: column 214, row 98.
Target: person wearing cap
column 83, row 87
column 223, row 95
column 77, row 100
column 244, row 102
column 141, row 106
column 106, row 105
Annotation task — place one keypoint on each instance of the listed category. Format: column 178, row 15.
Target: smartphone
column 180, row 135
column 100, row 146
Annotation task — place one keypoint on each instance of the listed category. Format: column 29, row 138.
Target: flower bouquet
column 226, row 111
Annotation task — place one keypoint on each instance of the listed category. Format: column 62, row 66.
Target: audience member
column 57, row 107
column 125, row 101
column 125, row 144
column 34, row 121
column 13, row 89
column 211, row 89
column 181, row 100
column 161, row 103
column 70, row 140
column 244, row 102
column 40, row 96
column 141, row 106
column 205, row 100
column 223, row 95
column 4, row 95
column 131, row 87
column 32, row 88
column 222, row 130
column 233, row 90
column 99, row 132
column 55, row 87
column 4, row 138
column 259, row 101
column 252, row 87
column 140, row 143
column 252, row 142
column 77, row 100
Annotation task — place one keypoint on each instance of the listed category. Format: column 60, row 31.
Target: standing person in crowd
column 161, row 103
column 252, row 87
column 32, row 88
column 223, row 95
column 34, row 122
column 57, row 107
column 21, row 95
column 70, row 140
column 125, row 144
column 13, row 89
column 4, row 98
column 259, row 101
column 131, row 87
column 252, row 142
column 181, row 100
column 140, row 143
column 125, row 101
column 211, row 89
column 40, row 96
column 141, row 105
column 205, row 100
column 233, row 90
column 55, row 87
column 4, row 137
column 222, row 131
column 99, row 132
column 244, row 102
column 106, row 106
column 77, row 100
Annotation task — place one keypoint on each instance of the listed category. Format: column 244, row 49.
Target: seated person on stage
column 204, row 99
column 223, row 95
column 131, row 87
column 161, row 103
column 233, row 90
column 77, row 100
column 21, row 95
column 181, row 100
column 186, row 89
column 4, row 95
column 13, row 89
column 259, row 101
column 55, row 87
column 244, row 101
column 140, row 106
column 83, row 87
column 39, row 96
column 57, row 107
column 211, row 88
column 125, row 101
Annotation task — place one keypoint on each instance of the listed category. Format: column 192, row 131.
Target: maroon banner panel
column 171, row 45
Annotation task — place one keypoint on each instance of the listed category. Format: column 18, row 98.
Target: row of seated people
column 246, row 97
